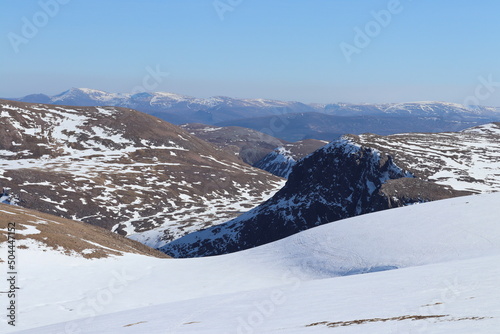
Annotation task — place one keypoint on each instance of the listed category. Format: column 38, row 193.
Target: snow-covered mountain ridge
column 122, row 170
column 357, row 175
column 180, row 109
column 172, row 107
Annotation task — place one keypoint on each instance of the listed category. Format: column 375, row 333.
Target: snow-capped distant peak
column 85, row 95
column 90, row 91
column 173, row 96
column 87, row 91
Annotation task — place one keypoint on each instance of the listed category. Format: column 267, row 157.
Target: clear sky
column 304, row 50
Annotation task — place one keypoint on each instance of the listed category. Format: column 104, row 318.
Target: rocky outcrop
column 357, row 175
column 339, row 181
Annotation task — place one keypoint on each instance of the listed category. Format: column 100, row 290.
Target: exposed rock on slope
column 356, row 175
column 122, row 170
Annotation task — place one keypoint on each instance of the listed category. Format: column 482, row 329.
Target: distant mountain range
column 174, row 108
column 286, row 120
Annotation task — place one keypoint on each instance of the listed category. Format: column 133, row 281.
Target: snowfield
column 426, row 268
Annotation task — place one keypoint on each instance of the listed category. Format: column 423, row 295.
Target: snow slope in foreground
column 459, row 297
column 448, row 251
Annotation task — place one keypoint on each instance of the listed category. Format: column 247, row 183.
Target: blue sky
column 278, row 49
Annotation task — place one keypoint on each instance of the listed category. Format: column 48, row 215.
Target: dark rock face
column 278, row 162
column 339, row 181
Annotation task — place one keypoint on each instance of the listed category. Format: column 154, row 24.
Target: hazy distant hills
column 286, row 120
column 174, row 108
column 293, row 127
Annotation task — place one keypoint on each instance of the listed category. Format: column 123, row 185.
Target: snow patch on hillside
column 468, row 160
